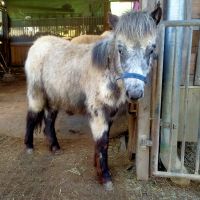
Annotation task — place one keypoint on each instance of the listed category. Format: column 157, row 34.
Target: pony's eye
column 120, row 51
column 149, row 51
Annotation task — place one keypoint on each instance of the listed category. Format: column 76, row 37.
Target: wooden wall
column 196, row 9
column 19, row 52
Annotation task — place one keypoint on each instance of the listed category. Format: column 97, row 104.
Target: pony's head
column 129, row 51
column 135, row 37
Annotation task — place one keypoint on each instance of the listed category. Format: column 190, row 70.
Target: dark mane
column 100, row 54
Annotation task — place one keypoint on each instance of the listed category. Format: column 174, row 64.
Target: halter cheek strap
column 133, row 75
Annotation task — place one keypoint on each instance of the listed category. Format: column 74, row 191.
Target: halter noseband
column 133, row 75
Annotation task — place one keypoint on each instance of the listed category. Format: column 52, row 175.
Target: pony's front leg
column 100, row 127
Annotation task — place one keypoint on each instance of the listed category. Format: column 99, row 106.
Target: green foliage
column 19, row 9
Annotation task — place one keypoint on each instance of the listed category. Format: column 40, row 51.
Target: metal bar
column 173, row 100
column 177, row 175
column 157, row 111
column 168, row 65
column 172, row 23
column 198, row 150
column 167, row 147
column 197, row 71
column 187, row 74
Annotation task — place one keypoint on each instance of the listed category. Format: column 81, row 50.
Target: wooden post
column 143, row 134
column 106, row 10
column 132, row 129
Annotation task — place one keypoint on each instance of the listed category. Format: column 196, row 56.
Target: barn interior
column 70, row 175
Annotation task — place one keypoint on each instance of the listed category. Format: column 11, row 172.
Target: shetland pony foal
column 95, row 79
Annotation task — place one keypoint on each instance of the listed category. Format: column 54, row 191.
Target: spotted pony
column 92, row 79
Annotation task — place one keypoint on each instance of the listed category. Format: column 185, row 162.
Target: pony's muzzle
column 134, row 96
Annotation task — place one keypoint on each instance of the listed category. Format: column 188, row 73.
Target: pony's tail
column 34, row 120
column 39, row 120
column 35, row 91
column 35, row 95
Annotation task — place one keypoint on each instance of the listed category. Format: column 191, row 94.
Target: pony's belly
column 76, row 106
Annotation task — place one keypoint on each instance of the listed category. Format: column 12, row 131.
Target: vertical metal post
column 155, row 129
column 197, row 71
column 167, row 98
column 198, row 150
column 174, row 10
column 187, row 79
column 175, row 103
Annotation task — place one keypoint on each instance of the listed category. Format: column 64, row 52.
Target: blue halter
column 133, row 75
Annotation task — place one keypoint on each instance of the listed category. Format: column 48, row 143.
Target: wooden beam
column 143, row 132
column 106, row 10
column 132, row 129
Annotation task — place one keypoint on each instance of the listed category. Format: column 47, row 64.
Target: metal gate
column 176, row 105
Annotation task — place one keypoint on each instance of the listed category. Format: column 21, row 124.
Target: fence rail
column 69, row 27
column 165, row 139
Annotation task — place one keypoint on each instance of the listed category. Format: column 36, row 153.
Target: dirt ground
column 71, row 174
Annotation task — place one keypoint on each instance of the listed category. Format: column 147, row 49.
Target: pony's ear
column 157, row 14
column 112, row 20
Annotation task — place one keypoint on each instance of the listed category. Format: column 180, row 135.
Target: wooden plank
column 155, row 116
column 19, row 53
column 105, row 19
column 143, row 127
column 195, row 41
column 132, row 129
column 193, row 63
column 196, row 9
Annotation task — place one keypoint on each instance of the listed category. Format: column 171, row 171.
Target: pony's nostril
column 136, row 95
column 141, row 94
column 127, row 94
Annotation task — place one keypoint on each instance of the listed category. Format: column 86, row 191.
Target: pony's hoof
column 29, row 150
column 108, row 186
column 56, row 150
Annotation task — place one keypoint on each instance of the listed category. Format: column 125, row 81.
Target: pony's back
column 86, row 39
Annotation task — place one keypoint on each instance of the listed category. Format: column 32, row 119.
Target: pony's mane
column 100, row 53
column 135, row 25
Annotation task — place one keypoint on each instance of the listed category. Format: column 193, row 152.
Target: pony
column 87, row 39
column 93, row 79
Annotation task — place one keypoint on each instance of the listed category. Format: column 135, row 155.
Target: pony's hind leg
column 49, row 129
column 35, row 114
column 33, row 120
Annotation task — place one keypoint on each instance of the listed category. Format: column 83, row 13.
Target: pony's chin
column 132, row 101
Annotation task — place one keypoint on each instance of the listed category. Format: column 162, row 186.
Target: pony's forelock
column 136, row 25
